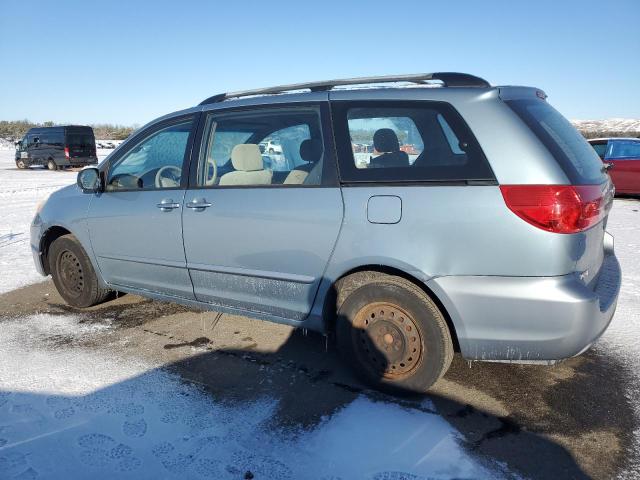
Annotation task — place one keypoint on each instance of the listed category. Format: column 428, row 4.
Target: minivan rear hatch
column 583, row 168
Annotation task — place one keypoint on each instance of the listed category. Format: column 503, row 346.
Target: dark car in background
column 623, row 154
column 55, row 147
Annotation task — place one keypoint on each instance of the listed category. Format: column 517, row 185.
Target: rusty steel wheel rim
column 70, row 273
column 387, row 340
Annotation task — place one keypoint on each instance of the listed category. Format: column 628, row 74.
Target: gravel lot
column 138, row 389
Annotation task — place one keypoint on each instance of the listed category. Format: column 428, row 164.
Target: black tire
column 73, row 275
column 271, row 150
column 391, row 332
column 51, row 164
column 21, row 164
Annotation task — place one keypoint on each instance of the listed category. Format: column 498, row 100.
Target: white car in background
column 268, row 146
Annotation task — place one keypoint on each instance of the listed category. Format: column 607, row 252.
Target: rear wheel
column 51, row 164
column 391, row 332
column 73, row 275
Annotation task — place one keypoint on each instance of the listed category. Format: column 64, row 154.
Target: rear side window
column 577, row 158
column 622, row 149
column 406, row 142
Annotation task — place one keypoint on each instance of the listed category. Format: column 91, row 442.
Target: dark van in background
column 56, row 147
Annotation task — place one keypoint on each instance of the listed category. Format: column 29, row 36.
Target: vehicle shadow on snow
column 156, row 421
column 566, row 421
column 236, row 414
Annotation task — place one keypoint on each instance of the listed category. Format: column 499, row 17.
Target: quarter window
column 570, row 149
column 418, row 141
column 153, row 163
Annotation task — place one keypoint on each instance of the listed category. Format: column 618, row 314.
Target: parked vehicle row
column 105, row 145
column 622, row 155
column 489, row 241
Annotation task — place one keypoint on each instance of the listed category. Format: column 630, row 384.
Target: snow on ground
column 6, row 144
column 20, row 193
column 621, row 338
column 70, row 411
column 62, row 412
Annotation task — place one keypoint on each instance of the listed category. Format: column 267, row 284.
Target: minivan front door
column 136, row 223
column 259, row 238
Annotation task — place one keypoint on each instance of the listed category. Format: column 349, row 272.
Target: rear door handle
column 167, row 204
column 198, row 204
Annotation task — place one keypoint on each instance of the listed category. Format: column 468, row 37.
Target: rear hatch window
column 577, row 158
column 81, row 144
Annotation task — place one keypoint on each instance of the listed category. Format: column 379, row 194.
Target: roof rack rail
column 449, row 79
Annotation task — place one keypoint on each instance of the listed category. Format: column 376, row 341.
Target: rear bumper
column 77, row 161
column 530, row 319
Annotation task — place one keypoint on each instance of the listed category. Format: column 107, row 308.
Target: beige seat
column 310, row 152
column 296, row 177
column 249, row 167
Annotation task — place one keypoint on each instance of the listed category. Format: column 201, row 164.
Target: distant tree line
column 595, row 133
column 15, row 130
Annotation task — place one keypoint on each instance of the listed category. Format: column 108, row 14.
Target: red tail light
column 556, row 208
column 66, row 152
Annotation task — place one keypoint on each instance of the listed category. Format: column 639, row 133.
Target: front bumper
column 530, row 319
column 36, row 232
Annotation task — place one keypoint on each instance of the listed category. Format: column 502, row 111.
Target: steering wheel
column 212, row 180
column 168, row 181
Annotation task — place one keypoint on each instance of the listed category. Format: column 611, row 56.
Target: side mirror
column 89, row 180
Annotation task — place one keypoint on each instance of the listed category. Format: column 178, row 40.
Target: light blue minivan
column 411, row 216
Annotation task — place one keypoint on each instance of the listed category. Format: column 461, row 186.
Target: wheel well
column 47, row 239
column 330, row 302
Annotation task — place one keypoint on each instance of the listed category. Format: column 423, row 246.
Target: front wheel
column 73, row 275
column 52, row 165
column 392, row 333
column 21, row 164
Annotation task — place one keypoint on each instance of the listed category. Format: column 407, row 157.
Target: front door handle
column 167, row 204
column 198, row 204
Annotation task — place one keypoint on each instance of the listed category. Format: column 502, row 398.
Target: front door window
column 154, row 163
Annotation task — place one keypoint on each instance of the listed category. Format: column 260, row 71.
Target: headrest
column 311, row 150
column 246, row 157
column 385, row 140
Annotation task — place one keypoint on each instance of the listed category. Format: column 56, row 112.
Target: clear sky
column 128, row 62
